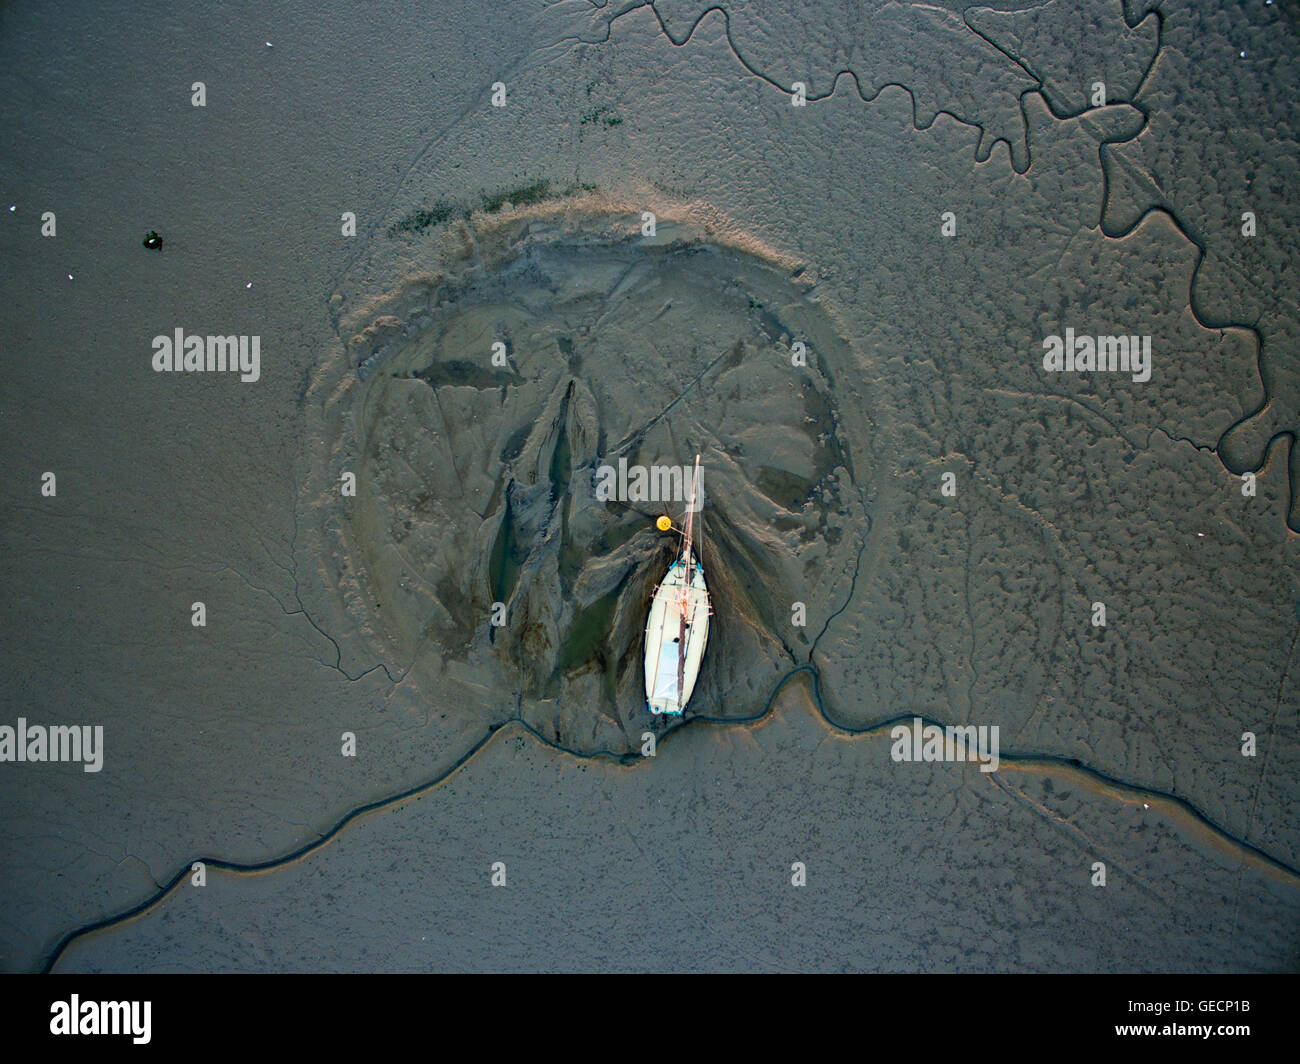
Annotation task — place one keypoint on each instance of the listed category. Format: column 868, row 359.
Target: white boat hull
column 668, row 682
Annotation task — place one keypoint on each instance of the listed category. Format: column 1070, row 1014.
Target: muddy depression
column 476, row 402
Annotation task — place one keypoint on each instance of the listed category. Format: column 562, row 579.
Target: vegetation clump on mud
column 422, row 218
column 602, row 115
column 524, row 196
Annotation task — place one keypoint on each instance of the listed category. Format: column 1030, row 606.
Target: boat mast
column 690, row 521
column 689, row 562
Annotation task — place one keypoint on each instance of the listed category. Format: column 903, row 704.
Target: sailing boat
column 677, row 629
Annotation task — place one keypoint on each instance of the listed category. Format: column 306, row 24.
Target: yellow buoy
column 664, row 523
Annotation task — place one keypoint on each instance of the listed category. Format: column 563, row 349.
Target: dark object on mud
column 153, row 241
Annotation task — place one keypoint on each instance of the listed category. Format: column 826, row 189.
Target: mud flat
column 596, row 854
column 371, row 613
